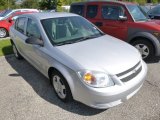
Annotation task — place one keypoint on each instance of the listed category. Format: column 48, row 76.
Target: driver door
column 34, row 52
column 112, row 25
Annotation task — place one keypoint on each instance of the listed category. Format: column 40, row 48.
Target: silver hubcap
column 2, row 32
column 143, row 49
column 15, row 51
column 59, row 86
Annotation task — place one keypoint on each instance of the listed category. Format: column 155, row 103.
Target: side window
column 32, row 29
column 77, row 9
column 112, row 12
column 92, row 11
column 20, row 24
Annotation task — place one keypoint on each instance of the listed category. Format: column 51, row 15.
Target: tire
column 61, row 87
column 16, row 53
column 145, row 48
column 3, row 33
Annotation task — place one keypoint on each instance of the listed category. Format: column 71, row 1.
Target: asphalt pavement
column 25, row 94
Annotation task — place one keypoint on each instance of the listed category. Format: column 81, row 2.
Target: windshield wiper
column 90, row 37
column 64, row 43
column 77, row 40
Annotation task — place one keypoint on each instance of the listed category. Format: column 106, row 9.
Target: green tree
column 30, row 4
column 3, row 4
column 7, row 4
column 50, row 4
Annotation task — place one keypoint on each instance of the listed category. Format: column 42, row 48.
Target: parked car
column 4, row 13
column 6, row 23
column 9, row 12
column 125, row 21
column 154, row 13
column 82, row 62
column 144, row 8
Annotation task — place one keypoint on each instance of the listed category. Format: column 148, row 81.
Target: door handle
column 98, row 24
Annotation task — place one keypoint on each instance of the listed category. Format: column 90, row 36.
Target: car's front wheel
column 61, row 87
column 16, row 53
column 145, row 48
column 3, row 33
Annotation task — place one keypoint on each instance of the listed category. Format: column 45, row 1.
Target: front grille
column 130, row 73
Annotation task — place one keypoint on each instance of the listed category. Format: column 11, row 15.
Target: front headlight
column 95, row 79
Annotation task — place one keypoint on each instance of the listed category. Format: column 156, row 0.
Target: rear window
column 20, row 24
column 92, row 11
column 77, row 9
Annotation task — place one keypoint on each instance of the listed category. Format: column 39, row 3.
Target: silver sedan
column 82, row 62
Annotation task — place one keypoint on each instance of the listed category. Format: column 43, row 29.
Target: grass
column 5, row 47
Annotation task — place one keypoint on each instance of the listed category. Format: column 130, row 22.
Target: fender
column 148, row 36
column 67, row 74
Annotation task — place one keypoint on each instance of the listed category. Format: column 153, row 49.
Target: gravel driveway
column 27, row 95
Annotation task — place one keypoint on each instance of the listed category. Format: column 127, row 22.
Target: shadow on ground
column 42, row 87
column 154, row 60
column 7, row 50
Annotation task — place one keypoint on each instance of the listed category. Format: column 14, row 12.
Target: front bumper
column 103, row 98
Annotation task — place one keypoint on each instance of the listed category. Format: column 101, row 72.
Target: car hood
column 105, row 53
column 150, row 24
column 153, row 22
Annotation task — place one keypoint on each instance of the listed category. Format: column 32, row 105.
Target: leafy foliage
column 49, row 4
column 30, row 4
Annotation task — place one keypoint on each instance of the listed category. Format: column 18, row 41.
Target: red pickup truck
column 123, row 20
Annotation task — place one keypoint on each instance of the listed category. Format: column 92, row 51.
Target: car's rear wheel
column 16, row 53
column 61, row 87
column 3, row 33
column 145, row 48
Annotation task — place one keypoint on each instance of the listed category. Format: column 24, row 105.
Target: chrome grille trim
column 129, row 70
column 132, row 75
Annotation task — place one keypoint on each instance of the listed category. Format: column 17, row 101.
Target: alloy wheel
column 59, row 86
column 143, row 49
column 3, row 33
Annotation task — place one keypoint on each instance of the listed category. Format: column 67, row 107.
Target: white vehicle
column 82, row 62
column 9, row 12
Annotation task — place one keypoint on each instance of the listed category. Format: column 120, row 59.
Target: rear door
column 19, row 34
column 92, row 11
column 111, row 23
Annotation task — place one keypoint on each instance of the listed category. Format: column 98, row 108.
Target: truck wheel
column 3, row 33
column 61, row 87
column 145, row 48
column 16, row 53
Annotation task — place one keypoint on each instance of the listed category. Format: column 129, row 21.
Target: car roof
column 25, row 9
column 46, row 15
column 102, row 1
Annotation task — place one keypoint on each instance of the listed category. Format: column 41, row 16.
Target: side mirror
column 34, row 41
column 122, row 18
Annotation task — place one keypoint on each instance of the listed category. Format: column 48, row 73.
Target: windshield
column 68, row 30
column 137, row 13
